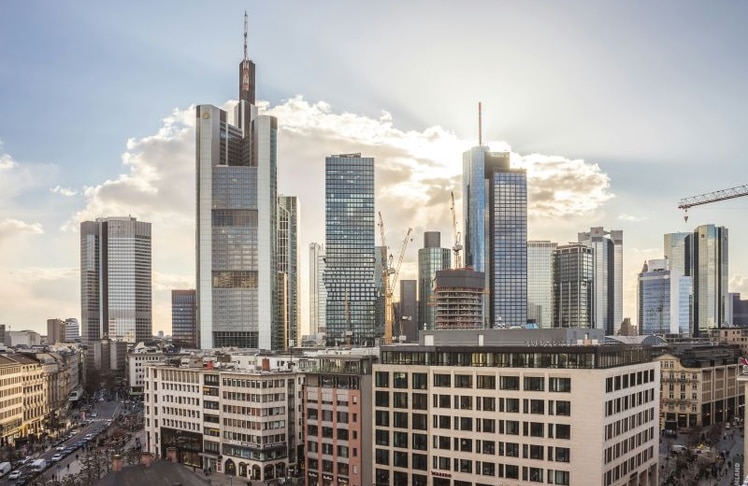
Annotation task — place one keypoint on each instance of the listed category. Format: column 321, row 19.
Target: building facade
column 495, row 215
column 572, row 286
column 484, row 408
column 349, row 246
column 540, row 282
column 288, row 266
column 317, row 291
column 184, row 330
column 116, row 288
column 431, row 258
column 407, row 312
column 710, row 277
column 654, row 298
column 458, row 299
column 607, row 281
column 237, row 223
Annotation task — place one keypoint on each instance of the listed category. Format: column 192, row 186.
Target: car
column 56, row 457
column 94, row 415
column 109, row 421
column 14, row 474
column 60, row 448
column 23, row 461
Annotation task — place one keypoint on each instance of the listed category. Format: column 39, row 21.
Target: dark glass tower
column 431, row 259
column 349, row 245
column 572, row 286
column 184, row 319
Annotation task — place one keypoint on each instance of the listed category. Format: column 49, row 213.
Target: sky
column 616, row 109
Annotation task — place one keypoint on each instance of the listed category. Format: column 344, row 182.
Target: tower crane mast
column 710, row 197
column 455, row 234
column 389, row 278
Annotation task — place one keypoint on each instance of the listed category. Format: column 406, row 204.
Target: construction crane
column 389, row 279
column 710, row 197
column 456, row 236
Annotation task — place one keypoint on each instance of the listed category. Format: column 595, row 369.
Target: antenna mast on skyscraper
column 480, row 125
column 246, row 29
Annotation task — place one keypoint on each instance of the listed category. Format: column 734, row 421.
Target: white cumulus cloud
column 12, row 227
column 63, row 191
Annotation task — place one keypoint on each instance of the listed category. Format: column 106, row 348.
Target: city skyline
column 612, row 128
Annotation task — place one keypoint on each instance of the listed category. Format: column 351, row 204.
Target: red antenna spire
column 246, row 29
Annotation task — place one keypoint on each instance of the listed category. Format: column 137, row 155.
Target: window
column 537, row 429
column 382, row 456
column 420, row 381
column 536, row 452
column 463, row 381
column 466, row 423
column 559, row 384
column 399, row 379
column 537, row 407
column 400, row 459
column 400, row 439
column 511, row 449
column 486, row 382
column 400, row 420
column 420, row 462
column 534, row 383
column 466, row 402
column 512, row 427
column 420, row 401
column 511, row 472
column 488, row 469
column 445, row 422
column 442, row 380
column 382, row 379
column 559, row 477
column 382, row 398
column 563, row 408
column 535, row 474
column 382, row 418
column 420, row 421
column 562, row 454
column 400, row 399
column 420, row 442
column 509, row 382
column 512, row 405
column 489, row 425
column 563, row 431
column 382, row 437
column 489, row 404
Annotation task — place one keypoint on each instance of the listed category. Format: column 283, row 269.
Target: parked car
column 56, row 457
column 15, row 474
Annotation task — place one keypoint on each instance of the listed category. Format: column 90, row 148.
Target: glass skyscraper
column 184, row 319
column 710, row 276
column 288, row 265
column 349, row 246
column 572, row 286
column 317, row 292
column 116, row 280
column 495, row 215
column 236, row 244
column 654, row 298
column 540, row 282
column 431, row 258
column 607, row 282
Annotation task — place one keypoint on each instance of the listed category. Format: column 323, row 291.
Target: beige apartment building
column 699, row 385
column 515, row 407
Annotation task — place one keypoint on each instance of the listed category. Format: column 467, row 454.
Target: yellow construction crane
column 710, row 197
column 389, row 279
column 455, row 234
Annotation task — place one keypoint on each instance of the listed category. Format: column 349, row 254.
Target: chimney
column 145, row 459
column 116, row 463
column 171, row 454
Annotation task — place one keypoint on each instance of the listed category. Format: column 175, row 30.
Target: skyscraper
column 654, row 298
column 317, row 292
column 349, row 246
column 495, row 215
column 116, row 280
column 237, row 222
column 458, row 299
column 431, row 259
column 678, row 250
column 184, row 319
column 406, row 317
column 710, row 272
column 540, row 282
column 607, row 281
column 572, row 286
column 288, row 264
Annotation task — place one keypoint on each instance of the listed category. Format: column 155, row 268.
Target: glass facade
column 237, row 212
column 495, row 215
column 116, row 280
column 317, row 292
column 540, row 282
column 654, row 298
column 288, row 265
column 572, row 286
column 349, row 246
column 607, row 282
column 184, row 319
column 710, row 267
column 431, row 259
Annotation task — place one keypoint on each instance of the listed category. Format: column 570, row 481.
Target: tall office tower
column 349, row 243
column 116, row 280
column 380, row 259
column 317, row 292
column 678, row 250
column 710, row 267
column 407, row 315
column 237, row 222
column 288, row 264
column 72, row 330
column 607, row 281
column 572, row 286
column 55, row 331
column 540, row 282
column 431, row 259
column 654, row 298
column 495, row 215
column 458, row 299
column 184, row 330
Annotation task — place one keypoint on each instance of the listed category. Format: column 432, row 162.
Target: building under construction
column 458, row 299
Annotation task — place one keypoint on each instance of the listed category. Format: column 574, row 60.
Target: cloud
column 739, row 283
column 6, row 162
column 63, row 191
column 630, row 218
column 10, row 227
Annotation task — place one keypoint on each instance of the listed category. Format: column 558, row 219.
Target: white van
column 678, row 448
column 39, row 465
column 4, row 468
